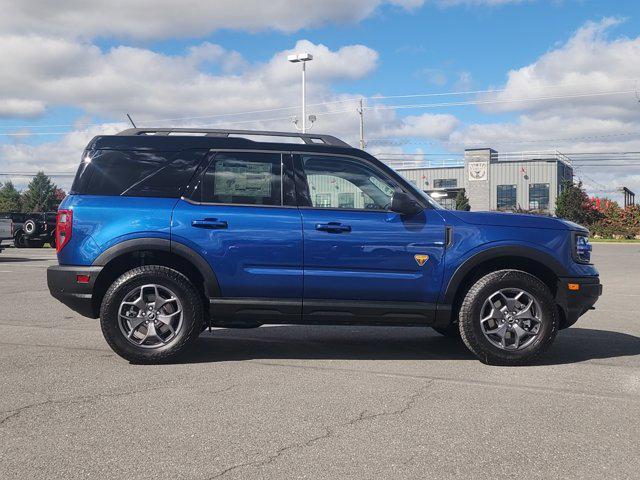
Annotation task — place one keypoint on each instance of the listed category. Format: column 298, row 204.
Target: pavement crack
column 70, row 401
column 408, row 404
column 330, row 431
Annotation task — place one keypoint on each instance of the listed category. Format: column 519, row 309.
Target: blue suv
column 168, row 231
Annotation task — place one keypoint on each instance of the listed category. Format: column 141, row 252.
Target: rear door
column 241, row 217
column 363, row 262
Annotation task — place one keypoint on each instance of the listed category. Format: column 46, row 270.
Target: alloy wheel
column 150, row 316
column 511, row 319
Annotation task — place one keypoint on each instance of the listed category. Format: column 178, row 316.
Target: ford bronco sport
column 168, row 231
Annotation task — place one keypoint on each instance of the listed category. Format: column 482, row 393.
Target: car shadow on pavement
column 4, row 259
column 576, row 344
column 383, row 343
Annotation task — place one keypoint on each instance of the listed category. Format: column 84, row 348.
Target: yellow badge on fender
column 421, row 259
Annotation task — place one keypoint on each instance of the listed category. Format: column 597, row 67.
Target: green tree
column 40, row 194
column 462, row 202
column 574, row 204
column 9, row 198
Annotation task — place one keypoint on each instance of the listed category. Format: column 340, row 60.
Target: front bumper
column 63, row 285
column 576, row 302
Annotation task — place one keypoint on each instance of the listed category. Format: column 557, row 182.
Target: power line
column 489, row 102
column 351, row 99
column 216, row 115
column 495, row 90
column 255, row 120
column 408, row 141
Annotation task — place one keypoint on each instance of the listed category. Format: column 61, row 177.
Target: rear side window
column 243, row 178
column 135, row 173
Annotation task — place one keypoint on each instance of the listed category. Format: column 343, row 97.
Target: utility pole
column 361, row 113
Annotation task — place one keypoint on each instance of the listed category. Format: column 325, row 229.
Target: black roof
column 309, row 139
column 177, row 139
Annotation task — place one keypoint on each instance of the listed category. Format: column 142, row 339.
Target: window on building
column 346, row 200
column 507, row 197
column 539, row 196
column 448, row 202
column 445, row 183
column 323, row 200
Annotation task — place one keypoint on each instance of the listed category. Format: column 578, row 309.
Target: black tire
column 20, row 241
column 165, row 277
column 471, row 311
column 450, row 331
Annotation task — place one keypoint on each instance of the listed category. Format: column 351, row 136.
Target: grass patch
column 614, row 240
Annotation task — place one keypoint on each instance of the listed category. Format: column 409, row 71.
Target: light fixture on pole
column 302, row 58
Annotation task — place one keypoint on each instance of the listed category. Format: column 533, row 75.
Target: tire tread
column 153, row 356
column 479, row 346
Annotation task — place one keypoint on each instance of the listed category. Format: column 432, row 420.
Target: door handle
column 333, row 227
column 210, row 223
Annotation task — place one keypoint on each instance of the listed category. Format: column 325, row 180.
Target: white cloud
column 590, row 61
column 427, row 125
column 155, row 19
column 41, row 71
column 207, row 80
column 16, row 107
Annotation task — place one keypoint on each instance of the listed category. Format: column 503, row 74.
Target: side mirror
column 403, row 204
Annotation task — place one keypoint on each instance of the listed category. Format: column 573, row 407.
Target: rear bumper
column 576, row 303
column 63, row 285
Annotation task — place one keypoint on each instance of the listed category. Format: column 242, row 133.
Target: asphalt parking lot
column 316, row 402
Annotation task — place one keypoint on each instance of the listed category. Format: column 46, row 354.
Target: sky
column 514, row 75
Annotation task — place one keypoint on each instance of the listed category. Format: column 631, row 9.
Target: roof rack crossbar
column 307, row 138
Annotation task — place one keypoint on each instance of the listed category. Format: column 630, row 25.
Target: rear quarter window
column 135, row 173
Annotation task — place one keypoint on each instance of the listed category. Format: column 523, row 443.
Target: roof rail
column 307, row 138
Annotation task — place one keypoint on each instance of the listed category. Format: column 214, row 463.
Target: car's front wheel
column 508, row 317
column 151, row 314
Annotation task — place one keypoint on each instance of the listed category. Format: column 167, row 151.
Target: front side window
column 507, row 197
column 341, row 182
column 539, row 196
column 243, row 178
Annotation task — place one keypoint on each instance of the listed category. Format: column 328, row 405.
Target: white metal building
column 529, row 181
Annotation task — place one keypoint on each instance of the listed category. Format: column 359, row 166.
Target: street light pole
column 302, row 58
column 304, row 97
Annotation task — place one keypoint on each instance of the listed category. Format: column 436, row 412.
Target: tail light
column 64, row 224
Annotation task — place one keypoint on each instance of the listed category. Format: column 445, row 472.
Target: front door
column 238, row 219
column 363, row 262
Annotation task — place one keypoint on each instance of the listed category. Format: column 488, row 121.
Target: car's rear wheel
column 151, row 314
column 508, row 317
